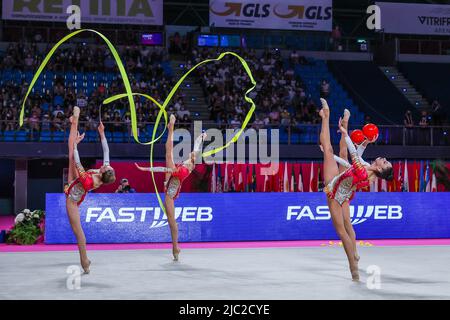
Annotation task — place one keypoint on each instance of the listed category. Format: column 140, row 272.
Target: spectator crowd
column 280, row 95
column 51, row 108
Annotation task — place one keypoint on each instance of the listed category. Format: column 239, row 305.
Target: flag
column 416, row 178
column 240, row 186
column 248, row 178
column 300, row 180
column 213, row 179
column 225, row 182
column 232, row 184
column 421, row 181
column 311, row 178
column 405, row 178
column 254, row 178
column 400, row 178
column 219, row 179
column 292, row 189
column 318, row 179
column 433, row 183
column 421, row 187
column 286, row 178
column 427, row 184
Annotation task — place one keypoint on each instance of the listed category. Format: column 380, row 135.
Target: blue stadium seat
column 118, row 137
column 91, row 136
column 58, row 136
column 9, row 136
column 45, row 136
column 21, row 136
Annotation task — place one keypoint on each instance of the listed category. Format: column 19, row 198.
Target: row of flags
column 287, row 179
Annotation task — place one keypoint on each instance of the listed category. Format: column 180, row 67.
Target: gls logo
column 362, row 213
column 142, row 214
column 257, row 10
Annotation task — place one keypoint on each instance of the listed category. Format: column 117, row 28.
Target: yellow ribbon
column 162, row 112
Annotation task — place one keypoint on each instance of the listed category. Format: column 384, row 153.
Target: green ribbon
column 162, row 108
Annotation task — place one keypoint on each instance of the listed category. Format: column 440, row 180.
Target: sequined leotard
column 77, row 189
column 342, row 187
column 175, row 181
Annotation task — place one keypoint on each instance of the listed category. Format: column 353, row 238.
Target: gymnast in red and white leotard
column 341, row 183
column 175, row 175
column 81, row 182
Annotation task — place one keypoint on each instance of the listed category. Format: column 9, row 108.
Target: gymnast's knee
column 328, row 149
column 341, row 232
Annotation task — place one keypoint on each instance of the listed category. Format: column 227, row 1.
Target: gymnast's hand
column 341, row 128
column 101, row 129
column 79, row 138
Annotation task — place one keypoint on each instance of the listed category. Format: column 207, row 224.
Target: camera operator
column 125, row 187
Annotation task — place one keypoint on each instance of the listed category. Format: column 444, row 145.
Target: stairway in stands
column 406, row 88
column 194, row 98
column 312, row 75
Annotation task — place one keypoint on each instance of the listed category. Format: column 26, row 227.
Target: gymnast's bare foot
column 172, row 120
column 76, row 112
column 346, row 116
column 85, row 265
column 176, row 253
column 325, row 111
column 354, row 271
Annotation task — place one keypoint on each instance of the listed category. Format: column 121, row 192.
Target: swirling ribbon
column 130, row 95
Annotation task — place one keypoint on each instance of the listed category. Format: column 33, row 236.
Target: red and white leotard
column 77, row 189
column 173, row 185
column 342, row 187
column 175, row 181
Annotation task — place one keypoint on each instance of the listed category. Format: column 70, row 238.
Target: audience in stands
column 438, row 114
column 335, row 38
column 324, row 89
column 424, row 135
column 51, row 108
column 279, row 94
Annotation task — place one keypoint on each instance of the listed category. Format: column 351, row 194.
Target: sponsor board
column 122, row 218
column 146, row 12
column 415, row 18
column 316, row 15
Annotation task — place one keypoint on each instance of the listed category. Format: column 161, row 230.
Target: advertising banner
column 145, row 12
column 316, row 15
column 414, row 18
column 207, row 217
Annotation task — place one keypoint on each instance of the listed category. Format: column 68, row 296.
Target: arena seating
column 376, row 97
column 431, row 79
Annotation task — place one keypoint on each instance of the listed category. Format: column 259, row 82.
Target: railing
column 303, row 41
column 288, row 134
column 416, row 46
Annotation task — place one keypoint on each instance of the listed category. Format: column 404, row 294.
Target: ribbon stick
column 162, row 107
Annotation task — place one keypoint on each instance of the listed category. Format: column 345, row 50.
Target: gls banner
column 148, row 12
column 121, row 218
column 269, row 14
column 412, row 18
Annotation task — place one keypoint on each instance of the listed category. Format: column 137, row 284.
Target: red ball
column 370, row 132
column 357, row 136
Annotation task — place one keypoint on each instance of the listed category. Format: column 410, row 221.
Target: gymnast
column 81, row 182
column 175, row 175
column 341, row 183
